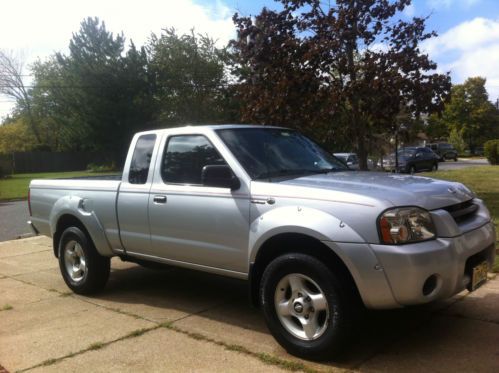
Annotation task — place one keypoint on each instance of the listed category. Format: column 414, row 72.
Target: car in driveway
column 445, row 151
column 350, row 159
column 315, row 241
column 412, row 160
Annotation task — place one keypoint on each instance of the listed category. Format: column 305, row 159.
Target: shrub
column 109, row 167
column 456, row 139
column 491, row 150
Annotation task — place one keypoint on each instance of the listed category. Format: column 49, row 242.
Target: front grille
column 462, row 211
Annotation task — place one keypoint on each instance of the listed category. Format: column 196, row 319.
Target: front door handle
column 159, row 199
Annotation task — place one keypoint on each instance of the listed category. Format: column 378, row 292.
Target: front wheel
column 306, row 306
column 84, row 270
column 434, row 168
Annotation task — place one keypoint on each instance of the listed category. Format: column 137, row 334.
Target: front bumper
column 391, row 276
column 408, row 267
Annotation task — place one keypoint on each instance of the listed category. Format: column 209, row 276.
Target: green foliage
column 456, row 139
column 469, row 113
column 491, row 149
column 101, row 93
column 189, row 76
column 16, row 136
column 108, row 167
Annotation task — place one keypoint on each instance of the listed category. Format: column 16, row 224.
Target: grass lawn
column 484, row 181
column 16, row 186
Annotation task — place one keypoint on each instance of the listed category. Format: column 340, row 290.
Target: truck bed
column 51, row 198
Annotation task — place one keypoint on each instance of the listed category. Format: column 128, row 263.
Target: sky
column 467, row 45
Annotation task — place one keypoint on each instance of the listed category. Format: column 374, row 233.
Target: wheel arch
column 72, row 210
column 65, row 221
column 286, row 243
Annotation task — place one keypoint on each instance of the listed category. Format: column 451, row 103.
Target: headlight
column 405, row 225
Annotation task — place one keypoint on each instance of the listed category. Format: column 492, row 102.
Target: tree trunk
column 357, row 123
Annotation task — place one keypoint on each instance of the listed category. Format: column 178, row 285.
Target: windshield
column 445, row 146
column 406, row 152
column 271, row 152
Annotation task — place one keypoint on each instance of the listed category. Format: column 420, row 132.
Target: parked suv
column 412, row 160
column 444, row 151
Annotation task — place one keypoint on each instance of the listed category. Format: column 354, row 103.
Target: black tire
column 96, row 267
column 434, row 168
column 455, row 159
column 412, row 170
column 341, row 305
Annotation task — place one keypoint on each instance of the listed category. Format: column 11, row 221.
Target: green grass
column 484, row 181
column 6, row 307
column 16, row 186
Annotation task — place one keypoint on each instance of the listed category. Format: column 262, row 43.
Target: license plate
column 479, row 275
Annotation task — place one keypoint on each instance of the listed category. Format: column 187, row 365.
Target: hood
column 399, row 190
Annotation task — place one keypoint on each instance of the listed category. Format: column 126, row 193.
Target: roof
column 344, row 154
column 195, row 128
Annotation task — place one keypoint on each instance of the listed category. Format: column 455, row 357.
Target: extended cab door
column 133, row 196
column 192, row 223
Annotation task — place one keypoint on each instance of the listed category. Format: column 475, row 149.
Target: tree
column 16, row 136
column 189, row 78
column 97, row 95
column 12, row 85
column 470, row 113
column 456, row 139
column 360, row 62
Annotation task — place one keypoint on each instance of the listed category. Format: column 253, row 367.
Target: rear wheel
column 84, row 270
column 307, row 307
column 434, row 167
column 412, row 170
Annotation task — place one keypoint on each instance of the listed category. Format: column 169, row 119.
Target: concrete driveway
column 179, row 320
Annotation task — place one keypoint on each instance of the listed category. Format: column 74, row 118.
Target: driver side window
column 184, row 158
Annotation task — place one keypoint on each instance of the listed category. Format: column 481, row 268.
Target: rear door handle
column 159, row 199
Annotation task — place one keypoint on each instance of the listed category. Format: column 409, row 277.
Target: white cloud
column 465, row 37
column 470, row 49
column 447, row 4
column 44, row 27
column 410, row 11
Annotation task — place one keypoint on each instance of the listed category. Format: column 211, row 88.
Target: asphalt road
column 13, row 217
column 462, row 163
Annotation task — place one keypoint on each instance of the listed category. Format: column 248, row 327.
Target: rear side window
column 184, row 159
column 141, row 159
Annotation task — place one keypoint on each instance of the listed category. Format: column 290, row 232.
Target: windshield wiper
column 288, row 172
column 328, row 170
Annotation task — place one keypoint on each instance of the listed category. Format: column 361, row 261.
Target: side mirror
column 219, row 176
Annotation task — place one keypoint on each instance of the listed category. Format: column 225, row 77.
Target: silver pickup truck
column 315, row 240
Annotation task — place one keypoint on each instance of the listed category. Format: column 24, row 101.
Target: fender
column 81, row 209
column 296, row 219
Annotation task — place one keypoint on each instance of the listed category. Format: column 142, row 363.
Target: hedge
column 491, row 149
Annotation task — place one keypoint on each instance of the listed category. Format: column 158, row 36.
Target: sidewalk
column 178, row 320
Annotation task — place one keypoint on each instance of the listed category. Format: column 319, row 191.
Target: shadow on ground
column 225, row 301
